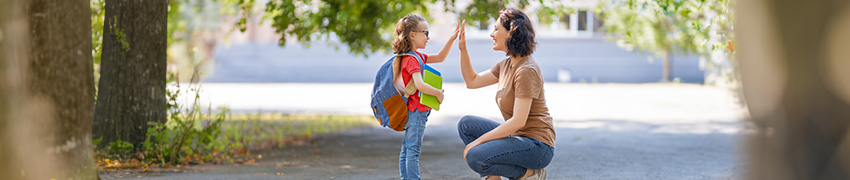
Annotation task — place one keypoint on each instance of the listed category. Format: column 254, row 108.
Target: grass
column 262, row 131
column 192, row 136
column 238, row 136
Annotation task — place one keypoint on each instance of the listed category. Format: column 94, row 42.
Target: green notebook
column 431, row 77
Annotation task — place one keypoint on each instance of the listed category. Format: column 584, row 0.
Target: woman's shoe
column 539, row 174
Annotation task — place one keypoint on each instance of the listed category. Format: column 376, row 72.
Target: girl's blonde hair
column 402, row 42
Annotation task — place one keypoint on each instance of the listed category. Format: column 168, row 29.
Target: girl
column 411, row 33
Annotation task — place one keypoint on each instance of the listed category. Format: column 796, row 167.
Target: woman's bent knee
column 465, row 119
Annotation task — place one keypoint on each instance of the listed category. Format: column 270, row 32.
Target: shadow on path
column 616, row 149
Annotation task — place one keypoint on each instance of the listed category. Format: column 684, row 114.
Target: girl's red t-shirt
column 409, row 65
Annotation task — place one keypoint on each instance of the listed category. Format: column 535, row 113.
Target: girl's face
column 500, row 35
column 420, row 35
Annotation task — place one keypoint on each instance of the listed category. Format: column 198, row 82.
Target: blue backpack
column 389, row 104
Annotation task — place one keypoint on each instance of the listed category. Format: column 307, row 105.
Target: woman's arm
column 521, row 108
column 425, row 88
column 441, row 56
column 472, row 80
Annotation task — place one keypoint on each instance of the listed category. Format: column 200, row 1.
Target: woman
column 522, row 146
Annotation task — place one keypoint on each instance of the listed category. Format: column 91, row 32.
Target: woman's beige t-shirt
column 522, row 78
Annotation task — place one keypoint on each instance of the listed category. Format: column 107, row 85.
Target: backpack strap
column 409, row 87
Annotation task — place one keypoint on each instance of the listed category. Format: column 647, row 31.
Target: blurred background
column 278, row 89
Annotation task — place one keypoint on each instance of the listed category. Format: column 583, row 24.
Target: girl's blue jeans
column 507, row 157
column 414, row 131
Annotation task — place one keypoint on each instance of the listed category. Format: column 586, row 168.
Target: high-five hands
column 461, row 43
column 457, row 30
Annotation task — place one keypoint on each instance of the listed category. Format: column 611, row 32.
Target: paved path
column 603, row 132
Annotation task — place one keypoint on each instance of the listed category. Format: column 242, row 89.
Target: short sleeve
column 527, row 83
column 409, row 65
column 497, row 68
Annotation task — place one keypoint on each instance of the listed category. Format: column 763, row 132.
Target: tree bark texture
column 131, row 91
column 48, row 90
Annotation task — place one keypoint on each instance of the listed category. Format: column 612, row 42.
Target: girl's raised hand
column 457, row 30
column 461, row 43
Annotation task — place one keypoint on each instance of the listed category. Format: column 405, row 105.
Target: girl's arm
column 425, row 88
column 441, row 56
column 472, row 80
column 521, row 108
column 399, row 85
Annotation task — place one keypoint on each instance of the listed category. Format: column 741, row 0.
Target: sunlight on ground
column 660, row 108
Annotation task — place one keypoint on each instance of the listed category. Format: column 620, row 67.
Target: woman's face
column 420, row 38
column 500, row 35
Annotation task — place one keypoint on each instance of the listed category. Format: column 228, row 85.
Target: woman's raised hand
column 461, row 43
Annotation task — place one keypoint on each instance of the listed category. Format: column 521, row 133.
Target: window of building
column 582, row 20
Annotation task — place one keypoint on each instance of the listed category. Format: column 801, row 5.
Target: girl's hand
column 440, row 97
column 461, row 43
column 457, row 30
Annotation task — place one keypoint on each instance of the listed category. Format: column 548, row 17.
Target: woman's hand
column 461, row 43
column 469, row 147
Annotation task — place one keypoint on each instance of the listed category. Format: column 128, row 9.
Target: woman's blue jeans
column 508, row 157
column 414, row 131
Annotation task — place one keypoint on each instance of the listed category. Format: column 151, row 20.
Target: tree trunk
column 665, row 72
column 13, row 49
column 131, row 91
column 48, row 128
column 794, row 57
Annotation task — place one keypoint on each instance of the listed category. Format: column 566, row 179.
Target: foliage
column 488, row 10
column 657, row 26
column 363, row 26
column 119, row 32
column 167, row 143
column 97, row 12
column 663, row 27
column 191, row 23
column 120, row 147
column 194, row 27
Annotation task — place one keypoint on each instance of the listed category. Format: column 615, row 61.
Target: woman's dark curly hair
column 521, row 42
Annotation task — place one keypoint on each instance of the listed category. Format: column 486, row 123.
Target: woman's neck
column 517, row 59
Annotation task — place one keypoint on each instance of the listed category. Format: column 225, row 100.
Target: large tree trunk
column 13, row 49
column 131, row 91
column 49, row 95
column 60, row 74
column 794, row 57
